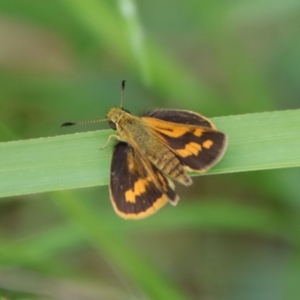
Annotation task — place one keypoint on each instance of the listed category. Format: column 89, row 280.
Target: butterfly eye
column 112, row 125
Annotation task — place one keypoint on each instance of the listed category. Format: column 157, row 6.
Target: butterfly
column 155, row 150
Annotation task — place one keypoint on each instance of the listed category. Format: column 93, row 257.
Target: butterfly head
column 114, row 116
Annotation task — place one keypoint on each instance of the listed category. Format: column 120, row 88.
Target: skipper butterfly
column 153, row 151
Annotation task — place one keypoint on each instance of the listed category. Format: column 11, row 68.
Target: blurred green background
column 232, row 237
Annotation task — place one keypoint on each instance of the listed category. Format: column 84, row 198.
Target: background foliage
column 232, row 236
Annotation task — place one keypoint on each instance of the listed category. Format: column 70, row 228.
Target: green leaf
column 256, row 142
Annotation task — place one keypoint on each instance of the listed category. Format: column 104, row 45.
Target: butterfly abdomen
column 166, row 161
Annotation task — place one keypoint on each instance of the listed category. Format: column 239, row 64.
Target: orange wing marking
column 138, row 189
column 207, row 144
column 190, row 149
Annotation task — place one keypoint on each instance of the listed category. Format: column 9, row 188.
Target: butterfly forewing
column 190, row 136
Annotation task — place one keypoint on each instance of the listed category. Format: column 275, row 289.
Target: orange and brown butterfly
column 153, row 151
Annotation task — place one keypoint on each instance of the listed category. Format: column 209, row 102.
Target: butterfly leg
column 108, row 140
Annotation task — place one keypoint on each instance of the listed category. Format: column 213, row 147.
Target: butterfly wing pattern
column 137, row 188
column 192, row 137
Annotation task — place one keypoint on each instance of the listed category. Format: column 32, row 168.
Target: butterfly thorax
column 129, row 127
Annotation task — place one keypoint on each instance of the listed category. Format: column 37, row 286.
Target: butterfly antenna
column 82, row 122
column 122, row 93
column 97, row 121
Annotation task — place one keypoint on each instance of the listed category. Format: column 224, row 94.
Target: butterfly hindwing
column 137, row 188
column 192, row 137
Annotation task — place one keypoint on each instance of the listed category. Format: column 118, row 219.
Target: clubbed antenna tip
column 122, row 92
column 96, row 121
column 68, row 124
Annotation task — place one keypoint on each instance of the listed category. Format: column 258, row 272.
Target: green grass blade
column 258, row 141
